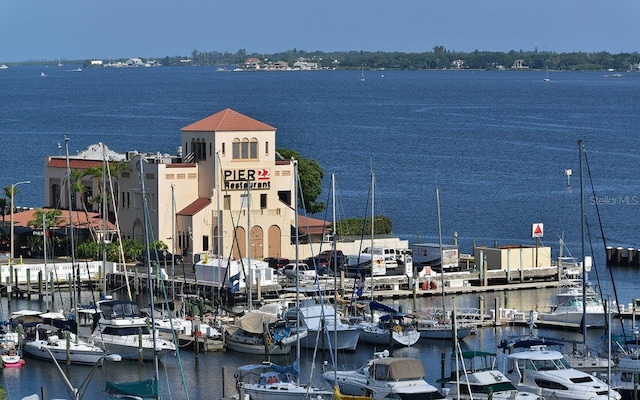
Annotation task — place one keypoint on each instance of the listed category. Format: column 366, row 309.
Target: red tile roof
column 195, row 207
column 312, row 226
column 74, row 163
column 227, row 120
column 80, row 220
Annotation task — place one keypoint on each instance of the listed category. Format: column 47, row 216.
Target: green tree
column 360, row 226
column 310, row 173
column 49, row 217
column 4, row 206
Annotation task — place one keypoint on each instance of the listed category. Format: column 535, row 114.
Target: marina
column 494, row 186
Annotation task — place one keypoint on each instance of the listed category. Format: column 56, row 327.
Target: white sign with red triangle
column 537, row 230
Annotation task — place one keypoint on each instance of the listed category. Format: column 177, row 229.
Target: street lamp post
column 78, row 393
column 13, row 192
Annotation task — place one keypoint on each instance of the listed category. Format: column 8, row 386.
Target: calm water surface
column 496, row 143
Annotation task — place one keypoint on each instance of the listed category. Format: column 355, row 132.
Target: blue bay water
column 496, row 143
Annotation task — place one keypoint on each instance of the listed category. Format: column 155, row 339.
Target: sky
column 99, row 29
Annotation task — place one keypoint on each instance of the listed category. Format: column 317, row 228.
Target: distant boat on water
column 3, row 66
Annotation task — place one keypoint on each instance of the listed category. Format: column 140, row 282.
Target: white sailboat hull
column 284, row 391
column 376, row 335
column 347, row 339
column 78, row 353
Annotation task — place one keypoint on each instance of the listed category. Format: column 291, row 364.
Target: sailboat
column 269, row 381
column 256, row 332
column 583, row 309
column 547, row 79
column 325, row 330
column 60, row 344
column 391, row 326
column 440, row 326
column 149, row 388
column 362, row 74
column 120, row 328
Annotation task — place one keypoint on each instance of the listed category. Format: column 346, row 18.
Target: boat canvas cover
column 147, row 389
column 376, row 306
column 398, row 369
column 254, row 322
column 293, row 369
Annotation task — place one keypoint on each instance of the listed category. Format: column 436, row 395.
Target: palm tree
column 51, row 218
column 3, row 208
column 77, row 186
column 9, row 191
column 42, row 218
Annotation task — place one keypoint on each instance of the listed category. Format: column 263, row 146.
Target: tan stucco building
column 225, row 177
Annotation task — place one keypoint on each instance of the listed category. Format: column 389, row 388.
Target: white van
column 389, row 254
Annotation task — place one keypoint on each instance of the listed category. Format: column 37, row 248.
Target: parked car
column 331, row 255
column 304, row 270
column 276, row 263
column 317, row 261
column 322, row 265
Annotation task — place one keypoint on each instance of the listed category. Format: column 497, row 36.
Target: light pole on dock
column 13, row 193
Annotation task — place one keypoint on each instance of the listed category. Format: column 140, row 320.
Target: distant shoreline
column 437, row 59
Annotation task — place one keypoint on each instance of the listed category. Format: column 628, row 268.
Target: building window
column 88, row 194
column 55, row 196
column 199, row 149
column 227, row 202
column 245, row 149
column 285, row 196
column 253, row 149
column 223, row 149
column 263, row 201
column 266, row 148
column 235, row 149
column 205, row 243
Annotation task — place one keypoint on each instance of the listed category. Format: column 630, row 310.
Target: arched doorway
column 274, row 248
column 138, row 231
column 257, row 240
column 239, row 249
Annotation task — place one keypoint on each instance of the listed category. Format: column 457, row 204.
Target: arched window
column 235, row 149
column 253, row 149
column 199, row 149
column 245, row 149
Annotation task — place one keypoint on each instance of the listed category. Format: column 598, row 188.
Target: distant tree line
column 438, row 58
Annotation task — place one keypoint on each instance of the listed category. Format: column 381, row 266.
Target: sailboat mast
column 218, row 178
column 71, row 235
column 582, row 234
column 149, row 272
column 297, row 242
column 250, row 277
column 373, row 181
column 335, row 275
column 104, row 220
column 173, row 240
column 444, row 313
column 44, row 241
